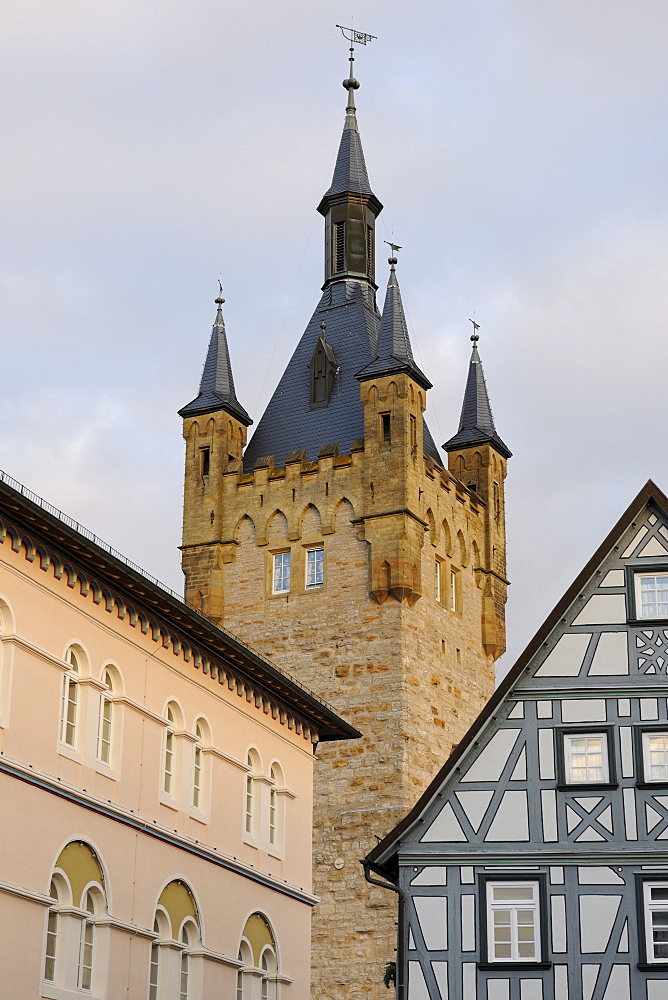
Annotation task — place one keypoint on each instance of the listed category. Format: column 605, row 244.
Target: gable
column 597, row 667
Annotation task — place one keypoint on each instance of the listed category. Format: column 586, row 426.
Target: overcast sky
column 520, row 150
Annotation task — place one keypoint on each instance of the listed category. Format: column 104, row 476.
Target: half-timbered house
column 535, row 866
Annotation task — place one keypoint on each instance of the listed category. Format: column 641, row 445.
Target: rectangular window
column 513, row 922
column 651, row 595
column 413, row 423
column 586, row 758
column 315, row 566
column 204, row 461
column 656, row 920
column 385, row 428
column 455, row 597
column 369, row 251
column 437, row 579
column 655, row 756
column 281, row 573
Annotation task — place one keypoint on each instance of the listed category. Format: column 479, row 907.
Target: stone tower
column 341, row 544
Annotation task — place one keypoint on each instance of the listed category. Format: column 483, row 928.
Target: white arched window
column 250, row 806
column 51, row 950
column 197, row 767
column 168, row 755
column 154, row 968
column 87, row 944
column 243, row 980
column 185, row 965
column 70, row 699
column 276, row 806
column 106, row 720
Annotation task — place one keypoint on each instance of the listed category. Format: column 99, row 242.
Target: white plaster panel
column 546, row 752
column 520, row 769
column 598, row 875
column 566, row 658
column 466, row 875
column 589, row 977
column 573, row 819
column 432, row 913
column 548, row 803
column 657, row 989
column 653, row 817
column 662, row 531
column 583, row 710
column 627, row 751
column 611, row 656
column 653, row 548
column 561, row 982
column 469, row 991
column 630, row 814
column 517, row 712
column 531, row 989
column 498, row 989
column 557, row 875
column 634, row 543
column 444, row 828
column 597, row 915
column 468, row 923
column 558, row 905
column 475, row 805
column 603, row 609
column 544, row 709
column 614, row 578
column 588, row 802
column 441, row 976
column 431, row 875
column 605, row 819
column 624, row 707
column 589, row 834
column 649, row 708
column 624, row 938
column 417, row 987
column 618, row 987
column 511, row 822
column 652, row 519
column 491, row 762
column 411, row 940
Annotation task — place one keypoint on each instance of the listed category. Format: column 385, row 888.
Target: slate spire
column 476, row 424
column 394, row 353
column 216, row 390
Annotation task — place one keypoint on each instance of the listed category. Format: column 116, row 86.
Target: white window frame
column 86, row 968
column 69, row 706
column 198, row 769
column 513, row 907
column 51, row 963
column 649, row 906
column 438, row 579
column 169, row 754
column 637, row 578
column 568, row 759
column 105, row 732
column 280, row 572
column 318, row 578
column 647, row 735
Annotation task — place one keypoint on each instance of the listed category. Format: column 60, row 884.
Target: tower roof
column 350, row 173
column 216, row 390
column 476, row 424
column 394, row 353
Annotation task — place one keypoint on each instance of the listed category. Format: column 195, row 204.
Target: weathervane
column 476, row 326
column 393, row 247
column 355, row 38
column 220, row 298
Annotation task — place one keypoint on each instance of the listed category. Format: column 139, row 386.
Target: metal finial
column 394, row 247
column 476, row 326
column 351, row 84
column 219, row 301
column 323, row 327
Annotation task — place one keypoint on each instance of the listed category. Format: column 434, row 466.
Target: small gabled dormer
column 323, row 371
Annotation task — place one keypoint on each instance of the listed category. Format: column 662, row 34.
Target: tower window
column 204, row 461
column 323, row 370
column 281, row 573
column 369, row 251
column 339, row 246
column 315, row 566
column 385, row 428
column 413, row 436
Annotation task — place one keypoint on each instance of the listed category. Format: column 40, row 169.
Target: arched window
column 70, row 698
column 257, row 951
column 197, row 767
column 154, row 969
column 244, row 981
column 276, row 806
column 253, row 765
column 87, row 944
column 51, row 950
column 185, row 965
column 168, row 758
column 106, row 720
column 268, row 989
column 273, row 808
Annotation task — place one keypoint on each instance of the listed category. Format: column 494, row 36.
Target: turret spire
column 216, row 390
column 476, row 424
column 394, row 353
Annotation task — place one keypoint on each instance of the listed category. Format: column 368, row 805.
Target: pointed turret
column 394, row 352
column 476, row 424
column 216, row 390
column 349, row 205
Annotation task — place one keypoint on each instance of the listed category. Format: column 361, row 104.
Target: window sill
column 652, row 966
column 108, row 772
column 198, row 815
column 283, row 594
column 66, row 751
column 646, row 622
column 652, row 784
column 251, row 842
column 507, row 966
column 587, row 787
column 167, row 800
